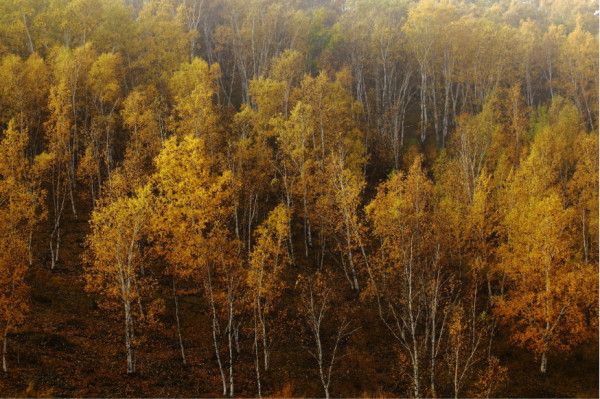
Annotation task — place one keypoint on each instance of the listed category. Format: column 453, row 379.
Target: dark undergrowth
column 69, row 346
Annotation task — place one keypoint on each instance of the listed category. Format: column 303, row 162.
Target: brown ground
column 70, row 347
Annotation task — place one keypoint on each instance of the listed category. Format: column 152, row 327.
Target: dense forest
column 323, row 198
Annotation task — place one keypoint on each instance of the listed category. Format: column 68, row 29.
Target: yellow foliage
column 270, row 255
column 21, row 209
column 192, row 205
column 193, row 88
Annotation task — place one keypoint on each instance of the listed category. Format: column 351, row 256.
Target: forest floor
column 69, row 346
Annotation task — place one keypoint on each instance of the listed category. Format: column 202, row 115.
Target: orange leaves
column 20, row 188
column 193, row 88
column 543, row 308
column 21, row 200
column 322, row 123
column 159, row 42
column 270, row 255
column 141, row 113
column 58, row 126
column 24, row 91
column 193, row 204
column 105, row 77
column 117, row 226
column 403, row 205
column 269, row 97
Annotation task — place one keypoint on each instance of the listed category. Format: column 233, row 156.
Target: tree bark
column 128, row 343
column 181, row 347
column 544, row 363
column 230, row 344
column 4, row 349
column 214, row 331
column 256, row 357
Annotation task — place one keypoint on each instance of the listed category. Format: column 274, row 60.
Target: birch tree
column 21, row 208
column 412, row 286
column 267, row 261
column 328, row 332
column 547, row 311
column 189, row 229
column 118, row 224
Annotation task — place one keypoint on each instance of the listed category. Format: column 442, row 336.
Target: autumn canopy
column 299, row 198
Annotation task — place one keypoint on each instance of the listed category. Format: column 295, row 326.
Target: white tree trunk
column 214, row 332
column 230, row 344
column 4, row 348
column 256, row 357
column 181, row 347
column 544, row 363
column 128, row 343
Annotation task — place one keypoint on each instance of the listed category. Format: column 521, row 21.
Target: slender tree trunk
column 350, row 260
column 71, row 196
column 263, row 327
column 54, row 249
column 435, row 111
column 230, row 343
column 547, row 331
column 416, row 385
column 315, row 325
column 128, row 343
column 423, row 88
column 413, row 326
column 107, row 152
column 4, row 350
column 29, row 41
column 433, row 353
column 435, row 336
column 320, row 361
column 456, row 361
column 29, row 247
column 52, row 261
column 583, row 231
column 264, row 337
column 237, row 223
column 181, row 347
column 214, row 331
column 544, row 363
column 59, row 206
column 307, row 238
column 256, row 361
column 288, row 202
